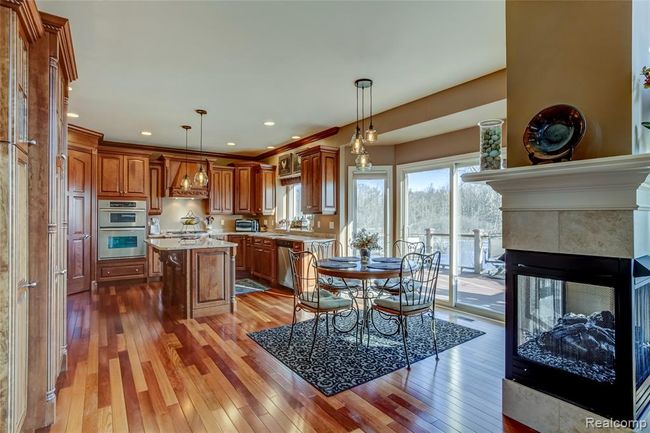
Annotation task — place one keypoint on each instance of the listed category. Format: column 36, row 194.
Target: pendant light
column 359, row 140
column 186, row 183
column 371, row 132
column 201, row 177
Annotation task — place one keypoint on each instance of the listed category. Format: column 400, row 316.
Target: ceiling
column 148, row 65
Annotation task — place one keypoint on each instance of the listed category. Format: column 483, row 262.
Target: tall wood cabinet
column 37, row 63
column 82, row 207
column 122, row 175
column 221, row 184
column 156, row 189
column 254, row 188
column 319, row 179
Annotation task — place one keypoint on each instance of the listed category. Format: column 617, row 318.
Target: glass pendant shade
column 201, row 178
column 186, row 183
column 363, row 162
column 371, row 134
column 357, row 144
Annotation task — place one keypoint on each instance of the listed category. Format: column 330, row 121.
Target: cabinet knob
column 30, row 285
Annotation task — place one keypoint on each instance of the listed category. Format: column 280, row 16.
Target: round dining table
column 364, row 272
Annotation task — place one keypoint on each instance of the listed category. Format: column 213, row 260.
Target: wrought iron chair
column 308, row 296
column 400, row 249
column 416, row 296
column 324, row 250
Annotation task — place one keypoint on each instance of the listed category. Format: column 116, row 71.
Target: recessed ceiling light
column 69, row 88
column 295, row 137
column 270, row 147
column 269, row 123
column 73, row 115
column 147, row 133
column 230, row 143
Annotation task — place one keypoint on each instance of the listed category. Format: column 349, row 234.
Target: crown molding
column 86, row 131
column 173, row 150
column 28, row 16
column 61, row 27
column 299, row 143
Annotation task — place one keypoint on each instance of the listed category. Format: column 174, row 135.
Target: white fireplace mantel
column 612, row 183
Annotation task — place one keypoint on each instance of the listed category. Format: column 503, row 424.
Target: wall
column 640, row 58
column 574, row 52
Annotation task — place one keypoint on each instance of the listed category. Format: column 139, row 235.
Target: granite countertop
column 173, row 244
column 270, row 235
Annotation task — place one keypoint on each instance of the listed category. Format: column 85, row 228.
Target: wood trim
column 81, row 130
column 298, row 143
column 145, row 148
column 29, row 17
column 284, row 181
column 61, row 26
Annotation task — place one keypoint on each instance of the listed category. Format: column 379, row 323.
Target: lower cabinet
column 249, row 253
column 122, row 269
column 155, row 266
column 240, row 259
column 264, row 260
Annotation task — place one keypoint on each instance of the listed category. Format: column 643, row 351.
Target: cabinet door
column 243, row 189
column 110, row 168
column 135, row 176
column 211, row 270
column 328, row 182
column 240, row 259
column 227, row 192
column 316, row 182
column 215, row 201
column 268, row 192
column 249, row 253
column 155, row 189
column 155, row 266
column 79, row 220
column 306, row 179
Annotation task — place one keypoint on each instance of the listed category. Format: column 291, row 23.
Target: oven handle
column 123, row 229
column 122, row 210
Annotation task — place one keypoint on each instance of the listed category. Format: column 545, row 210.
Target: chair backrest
column 304, row 274
column 419, row 278
column 402, row 247
column 326, row 249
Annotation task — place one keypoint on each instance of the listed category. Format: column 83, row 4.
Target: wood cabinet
column 122, row 175
column 264, row 261
column 240, row 259
column 155, row 195
column 319, row 179
column 122, row 269
column 220, row 186
column 175, row 169
column 249, row 253
column 154, row 264
column 254, row 188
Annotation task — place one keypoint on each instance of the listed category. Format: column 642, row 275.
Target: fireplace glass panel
column 567, row 325
column 642, row 333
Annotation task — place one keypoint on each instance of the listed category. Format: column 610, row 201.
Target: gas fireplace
column 578, row 328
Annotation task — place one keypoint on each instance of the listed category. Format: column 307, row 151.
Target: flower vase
column 365, row 255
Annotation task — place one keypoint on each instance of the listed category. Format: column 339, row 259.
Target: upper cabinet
column 319, row 179
column 220, row 186
column 155, row 187
column 175, row 169
column 122, row 175
column 254, row 188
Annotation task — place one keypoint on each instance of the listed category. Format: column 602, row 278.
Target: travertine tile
column 531, row 231
column 598, row 233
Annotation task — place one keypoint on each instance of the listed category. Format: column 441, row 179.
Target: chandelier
column 359, row 138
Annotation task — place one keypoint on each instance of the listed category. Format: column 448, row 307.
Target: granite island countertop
column 294, row 237
column 175, row 244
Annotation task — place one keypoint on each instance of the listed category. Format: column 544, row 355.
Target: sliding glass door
column 463, row 222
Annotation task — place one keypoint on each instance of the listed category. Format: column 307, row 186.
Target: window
column 293, row 201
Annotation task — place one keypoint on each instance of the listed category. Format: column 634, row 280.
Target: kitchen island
column 198, row 275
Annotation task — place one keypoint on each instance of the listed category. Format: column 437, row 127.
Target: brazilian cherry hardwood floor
column 131, row 368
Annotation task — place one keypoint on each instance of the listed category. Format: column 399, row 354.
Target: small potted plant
column 364, row 241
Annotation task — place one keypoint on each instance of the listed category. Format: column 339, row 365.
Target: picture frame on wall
column 285, row 164
column 296, row 164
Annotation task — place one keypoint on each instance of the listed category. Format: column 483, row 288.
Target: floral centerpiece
column 364, row 241
column 646, row 84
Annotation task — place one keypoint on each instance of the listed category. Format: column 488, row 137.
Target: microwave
column 247, row 225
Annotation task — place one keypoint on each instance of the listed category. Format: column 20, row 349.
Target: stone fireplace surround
column 594, row 207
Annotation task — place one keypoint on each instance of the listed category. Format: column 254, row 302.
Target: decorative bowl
column 553, row 134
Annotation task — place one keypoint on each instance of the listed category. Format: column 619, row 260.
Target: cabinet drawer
column 267, row 242
column 257, row 241
column 118, row 271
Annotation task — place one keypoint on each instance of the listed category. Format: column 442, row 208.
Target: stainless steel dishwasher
column 284, row 263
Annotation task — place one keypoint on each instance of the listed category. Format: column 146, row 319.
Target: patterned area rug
column 244, row 286
column 340, row 363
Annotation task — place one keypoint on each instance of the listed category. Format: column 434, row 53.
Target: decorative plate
column 553, row 133
column 336, row 265
column 387, row 259
column 345, row 259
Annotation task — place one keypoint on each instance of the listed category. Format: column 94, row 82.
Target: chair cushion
column 408, row 303
column 338, row 283
column 327, row 301
column 386, row 283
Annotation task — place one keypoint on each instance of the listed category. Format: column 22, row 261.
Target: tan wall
column 574, row 52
